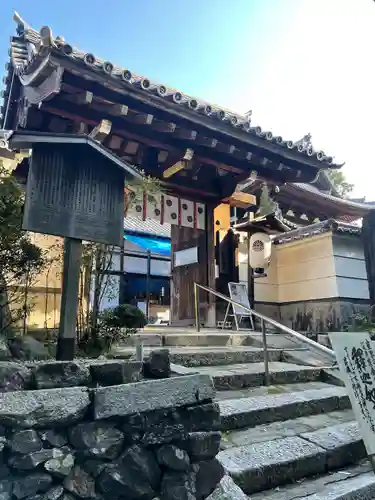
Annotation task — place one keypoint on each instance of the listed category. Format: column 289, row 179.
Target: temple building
column 212, row 164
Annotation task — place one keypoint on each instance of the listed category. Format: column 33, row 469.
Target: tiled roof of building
column 148, row 226
column 315, row 229
column 43, row 43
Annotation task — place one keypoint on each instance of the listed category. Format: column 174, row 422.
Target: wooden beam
column 80, row 98
column 101, row 131
column 164, row 127
column 180, row 165
column 187, row 135
column 112, row 109
column 208, row 142
column 241, row 200
column 118, row 109
column 141, row 118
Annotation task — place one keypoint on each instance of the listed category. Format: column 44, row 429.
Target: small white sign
column 356, row 358
column 238, row 292
column 186, row 257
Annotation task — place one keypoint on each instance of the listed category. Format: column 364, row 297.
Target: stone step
column 252, row 374
column 192, row 356
column 210, row 337
column 352, row 483
column 284, row 428
column 268, row 464
column 252, row 411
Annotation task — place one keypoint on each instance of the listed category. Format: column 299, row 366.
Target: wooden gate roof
column 48, row 77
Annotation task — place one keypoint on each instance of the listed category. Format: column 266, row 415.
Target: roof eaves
column 20, row 140
column 44, row 44
column 317, row 229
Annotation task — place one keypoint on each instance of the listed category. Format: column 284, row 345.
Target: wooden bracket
column 180, row 165
column 101, row 131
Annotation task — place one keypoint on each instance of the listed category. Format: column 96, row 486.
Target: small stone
column 116, row 372
column 43, row 408
column 54, row 493
column 227, row 490
column 80, row 483
column 60, row 374
column 94, row 467
column 31, row 485
column 97, row 439
column 28, row 349
column 178, row 486
column 136, row 474
column 158, row 364
column 14, row 376
column 209, row 474
column 2, row 443
column 4, row 472
column 202, row 445
column 6, row 487
column 60, row 466
column 172, row 457
column 26, row 441
column 32, row 460
column 53, row 438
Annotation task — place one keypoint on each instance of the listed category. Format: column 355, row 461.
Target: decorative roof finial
column 21, row 24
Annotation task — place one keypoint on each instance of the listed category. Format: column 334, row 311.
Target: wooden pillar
column 250, row 274
column 368, row 238
column 69, row 299
column 210, row 235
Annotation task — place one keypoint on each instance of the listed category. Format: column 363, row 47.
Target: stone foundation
column 136, row 441
column 314, row 316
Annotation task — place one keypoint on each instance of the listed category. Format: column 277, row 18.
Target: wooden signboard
column 74, row 195
column 355, row 355
column 239, row 293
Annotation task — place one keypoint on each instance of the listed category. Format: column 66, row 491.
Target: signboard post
column 75, row 189
column 356, row 358
column 239, row 293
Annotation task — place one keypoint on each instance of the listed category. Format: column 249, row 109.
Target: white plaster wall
column 300, row 271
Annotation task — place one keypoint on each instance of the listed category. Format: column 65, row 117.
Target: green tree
column 339, row 181
column 266, row 204
column 20, row 259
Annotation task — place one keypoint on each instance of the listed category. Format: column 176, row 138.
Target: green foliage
column 114, row 325
column 360, row 322
column 338, row 179
column 266, row 204
column 124, row 316
column 20, row 260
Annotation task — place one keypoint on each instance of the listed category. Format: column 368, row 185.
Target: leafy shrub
column 117, row 323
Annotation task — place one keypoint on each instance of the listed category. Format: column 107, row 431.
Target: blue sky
column 300, row 65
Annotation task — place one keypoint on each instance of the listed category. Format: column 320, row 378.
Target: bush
column 114, row 325
column 119, row 322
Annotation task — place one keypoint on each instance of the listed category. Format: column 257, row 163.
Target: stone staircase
column 295, row 439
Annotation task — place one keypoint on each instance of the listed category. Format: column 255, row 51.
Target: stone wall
column 136, row 441
column 315, row 316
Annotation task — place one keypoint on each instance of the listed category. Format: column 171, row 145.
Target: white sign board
column 356, row 358
column 186, row 257
column 238, row 292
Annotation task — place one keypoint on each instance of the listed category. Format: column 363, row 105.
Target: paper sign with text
column 356, row 358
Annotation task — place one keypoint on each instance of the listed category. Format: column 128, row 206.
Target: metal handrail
column 264, row 319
